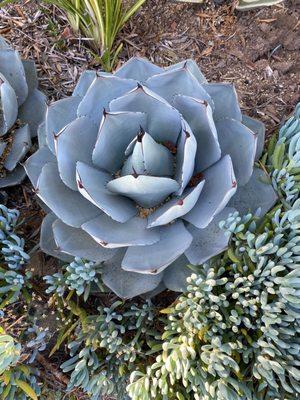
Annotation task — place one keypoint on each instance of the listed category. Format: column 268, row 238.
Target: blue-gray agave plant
column 22, row 109
column 139, row 167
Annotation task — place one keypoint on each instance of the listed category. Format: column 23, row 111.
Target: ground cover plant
column 233, row 333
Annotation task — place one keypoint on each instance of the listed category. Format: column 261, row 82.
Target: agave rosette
column 138, row 168
column 22, row 109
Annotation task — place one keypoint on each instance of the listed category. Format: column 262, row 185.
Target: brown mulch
column 258, row 50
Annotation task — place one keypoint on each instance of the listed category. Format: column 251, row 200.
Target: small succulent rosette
column 22, row 109
column 139, row 167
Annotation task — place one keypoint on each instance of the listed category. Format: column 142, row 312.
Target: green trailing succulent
column 9, row 350
column 22, row 109
column 18, row 381
column 37, row 339
column 284, row 159
column 80, row 275
column 106, row 348
column 133, row 181
column 235, row 333
column 14, row 279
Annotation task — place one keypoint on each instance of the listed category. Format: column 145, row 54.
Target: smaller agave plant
column 244, row 5
column 138, row 168
column 22, row 108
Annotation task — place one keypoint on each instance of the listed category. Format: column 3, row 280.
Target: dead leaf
column 67, row 33
column 267, row 21
column 207, row 51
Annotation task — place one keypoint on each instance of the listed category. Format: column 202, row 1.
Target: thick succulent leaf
column 74, row 143
column 147, row 191
column 139, row 69
column 198, row 115
column 176, row 207
column 137, row 159
column 225, row 100
column 12, row 68
column 152, row 293
column 30, row 74
column 43, row 206
column 13, row 178
column 192, row 66
column 19, row 148
column 175, row 276
column 103, row 89
column 84, row 82
column 259, row 129
column 240, row 143
column 77, row 242
column 92, row 185
column 33, row 110
column 116, row 131
column 47, row 242
column 127, row 284
column 8, row 104
column 185, row 157
column 130, row 147
column 111, row 234
column 42, row 136
column 208, row 242
column 178, row 81
column 127, row 167
column 257, row 193
column 58, row 115
column 175, row 240
column 163, row 122
column 220, row 186
column 69, row 206
column 35, row 163
column 151, row 158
